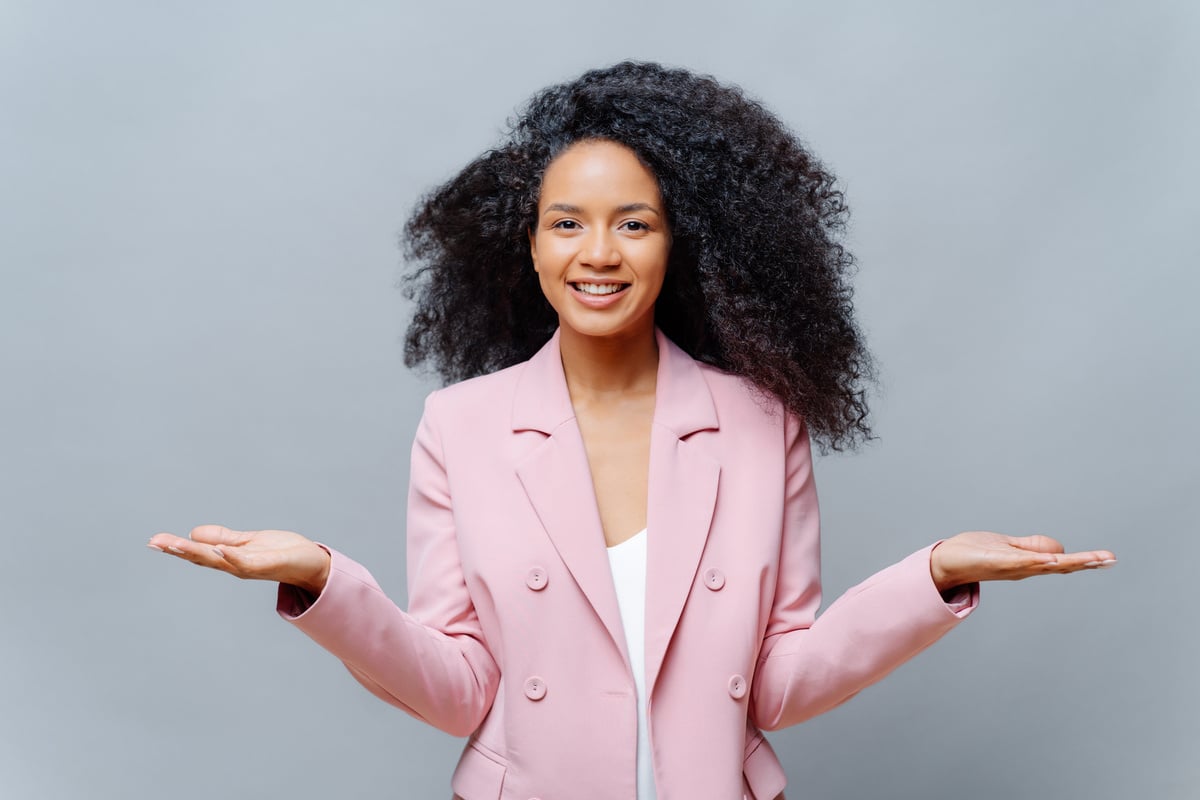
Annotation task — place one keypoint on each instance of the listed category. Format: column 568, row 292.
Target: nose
column 598, row 249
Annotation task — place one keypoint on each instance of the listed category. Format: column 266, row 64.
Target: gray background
column 198, row 212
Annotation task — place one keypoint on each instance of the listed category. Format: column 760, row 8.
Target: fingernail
column 1093, row 563
column 220, row 553
column 1108, row 562
column 175, row 550
column 154, row 547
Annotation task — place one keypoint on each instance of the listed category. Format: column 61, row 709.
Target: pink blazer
column 513, row 636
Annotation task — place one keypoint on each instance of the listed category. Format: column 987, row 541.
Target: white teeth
column 599, row 288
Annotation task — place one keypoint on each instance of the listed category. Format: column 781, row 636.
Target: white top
column 628, row 562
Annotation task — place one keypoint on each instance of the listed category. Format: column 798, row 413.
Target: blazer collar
column 683, row 403
column 681, row 493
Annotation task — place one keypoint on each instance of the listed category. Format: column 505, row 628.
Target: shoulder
column 738, row 399
column 468, row 414
column 722, row 381
column 474, row 396
column 752, row 413
column 470, row 423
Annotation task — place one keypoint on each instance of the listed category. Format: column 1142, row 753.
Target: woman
column 613, row 542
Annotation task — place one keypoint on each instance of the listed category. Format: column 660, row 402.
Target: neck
column 596, row 366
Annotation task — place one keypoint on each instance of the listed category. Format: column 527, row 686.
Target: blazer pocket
column 479, row 774
column 763, row 773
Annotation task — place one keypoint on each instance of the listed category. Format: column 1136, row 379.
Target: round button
column 737, row 687
column 535, row 688
column 714, row 579
column 537, row 579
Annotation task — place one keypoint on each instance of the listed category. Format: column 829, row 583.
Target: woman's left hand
column 986, row 556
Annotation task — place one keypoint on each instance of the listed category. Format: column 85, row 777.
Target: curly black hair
column 757, row 280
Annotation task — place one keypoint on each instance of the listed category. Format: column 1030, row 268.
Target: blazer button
column 714, row 579
column 537, row 579
column 535, row 688
column 737, row 687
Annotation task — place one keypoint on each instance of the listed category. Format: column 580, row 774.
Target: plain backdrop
column 199, row 211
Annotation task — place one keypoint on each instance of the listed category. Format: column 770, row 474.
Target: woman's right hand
column 282, row 556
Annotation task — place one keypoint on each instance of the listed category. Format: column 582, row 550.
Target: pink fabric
column 513, row 635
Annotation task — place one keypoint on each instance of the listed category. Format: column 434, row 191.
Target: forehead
column 600, row 170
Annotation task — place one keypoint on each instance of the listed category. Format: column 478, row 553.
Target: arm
column 808, row 665
column 431, row 661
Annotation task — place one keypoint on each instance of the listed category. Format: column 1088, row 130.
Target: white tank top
column 628, row 563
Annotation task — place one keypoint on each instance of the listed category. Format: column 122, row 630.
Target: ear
column 532, row 248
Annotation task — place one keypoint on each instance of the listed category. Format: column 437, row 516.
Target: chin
column 607, row 329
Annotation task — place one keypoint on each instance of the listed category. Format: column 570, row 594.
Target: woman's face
column 601, row 241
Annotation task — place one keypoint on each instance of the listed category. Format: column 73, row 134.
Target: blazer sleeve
column 809, row 664
column 432, row 661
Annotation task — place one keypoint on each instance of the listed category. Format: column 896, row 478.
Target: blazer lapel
column 681, row 498
column 558, row 482
column 682, row 489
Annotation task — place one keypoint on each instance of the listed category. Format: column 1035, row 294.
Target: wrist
column 942, row 579
column 316, row 583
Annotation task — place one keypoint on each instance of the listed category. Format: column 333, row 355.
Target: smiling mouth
column 599, row 289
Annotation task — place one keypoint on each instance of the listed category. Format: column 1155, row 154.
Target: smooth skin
column 601, row 220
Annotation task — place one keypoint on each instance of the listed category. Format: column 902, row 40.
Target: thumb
column 219, row 534
column 1038, row 543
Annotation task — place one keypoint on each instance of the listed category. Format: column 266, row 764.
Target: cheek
column 658, row 273
column 552, row 255
column 550, row 288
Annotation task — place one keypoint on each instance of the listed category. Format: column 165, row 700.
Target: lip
column 602, row 300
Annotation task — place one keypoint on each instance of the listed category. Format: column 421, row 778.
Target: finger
column 188, row 550
column 159, row 542
column 1091, row 559
column 1075, row 562
column 219, row 534
column 165, row 542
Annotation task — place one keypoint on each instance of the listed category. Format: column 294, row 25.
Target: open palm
column 986, row 556
column 283, row 556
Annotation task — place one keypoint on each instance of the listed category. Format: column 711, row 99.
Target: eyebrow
column 567, row 208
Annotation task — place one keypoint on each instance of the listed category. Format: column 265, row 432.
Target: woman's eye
column 566, row 224
column 634, row 225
